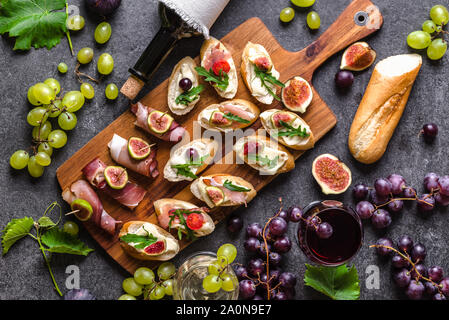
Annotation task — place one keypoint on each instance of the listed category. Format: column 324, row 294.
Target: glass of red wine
column 346, row 238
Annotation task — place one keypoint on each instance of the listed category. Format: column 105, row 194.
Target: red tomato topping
column 195, row 221
column 221, row 66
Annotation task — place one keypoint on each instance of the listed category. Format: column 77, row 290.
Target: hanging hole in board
column 361, row 18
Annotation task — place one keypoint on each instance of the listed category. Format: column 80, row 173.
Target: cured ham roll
column 118, row 148
column 130, row 196
column 82, row 190
column 174, row 133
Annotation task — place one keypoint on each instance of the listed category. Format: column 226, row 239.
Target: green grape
column 439, row 14
column 229, row 282
column 437, row 49
column 55, row 108
column 439, row 29
column 132, row 287
column 229, row 251
column 67, row 121
column 168, row 287
column 62, row 67
column 40, row 133
column 313, row 20
column 85, row 55
column 105, row 64
column 103, row 32
column 73, row 101
column 45, row 147
column 37, row 116
column 87, row 90
column 215, row 267
column 127, row 297
column 429, row 26
column 31, row 98
column 43, row 159
column 19, row 159
column 144, row 276
column 111, row 91
column 287, row 14
column 75, row 23
column 212, row 283
column 57, row 139
column 419, row 40
column 157, row 293
column 43, row 93
column 34, row 169
column 71, row 228
column 54, row 84
column 166, row 270
column 303, row 3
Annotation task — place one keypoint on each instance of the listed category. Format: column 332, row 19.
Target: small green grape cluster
column 313, row 18
column 144, row 283
column 219, row 277
column 431, row 35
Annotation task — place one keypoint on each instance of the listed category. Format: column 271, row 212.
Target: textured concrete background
column 23, row 273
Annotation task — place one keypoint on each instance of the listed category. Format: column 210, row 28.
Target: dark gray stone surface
column 23, row 273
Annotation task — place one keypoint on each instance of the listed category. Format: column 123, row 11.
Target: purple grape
column 419, row 268
column 241, row 272
column 254, row 230
column 251, row 244
column 439, row 296
column 402, row 278
column 399, row 262
column 426, row 203
column 324, row 230
column 274, row 275
column 290, row 292
column 444, row 286
column 397, row 183
column 418, row 253
column 415, row 290
column 395, row 206
column 235, row 224
column 262, row 250
column 256, row 266
column 257, row 298
column 377, row 199
column 269, row 237
column 103, row 7
column 365, row 209
column 192, row 154
column 284, row 215
column 409, row 192
column 381, row 219
column 278, row 226
column 281, row 296
column 441, row 200
column 431, row 289
column 79, row 294
column 383, row 187
column 360, row 191
column 405, row 243
column 435, row 273
column 282, row 244
column 313, row 221
column 430, row 131
column 287, row 280
column 185, row 84
column 295, row 214
column 275, row 259
column 344, row 79
column 443, row 184
column 384, row 242
column 247, row 289
column 431, row 181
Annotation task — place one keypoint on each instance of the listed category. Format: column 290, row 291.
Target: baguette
column 382, row 106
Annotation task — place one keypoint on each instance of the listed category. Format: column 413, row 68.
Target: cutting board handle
column 360, row 19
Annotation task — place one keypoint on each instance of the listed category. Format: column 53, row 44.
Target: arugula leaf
column 221, row 81
column 184, row 169
column 338, row 283
column 187, row 97
column 34, row 23
column 265, row 77
column 58, row 241
column 179, row 213
column 264, row 161
column 233, row 117
column 15, row 230
column 140, row 242
column 291, row 131
column 230, row 186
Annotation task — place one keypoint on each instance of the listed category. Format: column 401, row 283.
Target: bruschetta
column 218, row 68
column 188, row 160
column 229, row 115
column 183, row 87
column 288, row 128
column 265, row 155
column 184, row 216
column 146, row 241
column 222, row 190
column 259, row 74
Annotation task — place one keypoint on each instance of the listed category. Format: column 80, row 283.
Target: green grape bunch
column 218, row 277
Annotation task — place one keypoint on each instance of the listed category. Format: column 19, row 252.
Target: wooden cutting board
column 341, row 34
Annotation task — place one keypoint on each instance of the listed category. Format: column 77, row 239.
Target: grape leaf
column 58, row 241
column 338, row 283
column 36, row 23
column 15, row 230
column 45, row 222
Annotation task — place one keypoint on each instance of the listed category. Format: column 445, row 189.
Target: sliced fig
column 216, row 195
column 138, row 148
column 156, row 248
column 263, row 63
column 279, row 116
column 159, row 122
column 82, row 209
column 251, row 147
column 358, row 57
column 116, row 177
column 333, row 176
column 297, row 94
column 218, row 119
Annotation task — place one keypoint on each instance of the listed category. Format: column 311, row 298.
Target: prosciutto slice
column 118, row 148
column 174, row 133
column 215, row 54
column 130, row 196
column 82, row 190
column 238, row 111
column 234, row 196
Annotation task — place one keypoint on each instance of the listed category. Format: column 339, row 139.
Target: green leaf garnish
column 221, row 81
column 179, row 213
column 338, row 283
column 291, row 131
column 59, row 241
column 185, row 169
column 15, row 230
column 187, row 97
column 139, row 242
column 265, row 77
column 264, row 161
column 230, row 186
column 230, row 116
column 45, row 222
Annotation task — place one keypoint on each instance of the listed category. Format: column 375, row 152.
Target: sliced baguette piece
column 382, row 106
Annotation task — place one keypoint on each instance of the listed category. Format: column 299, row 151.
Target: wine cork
column 132, row 87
